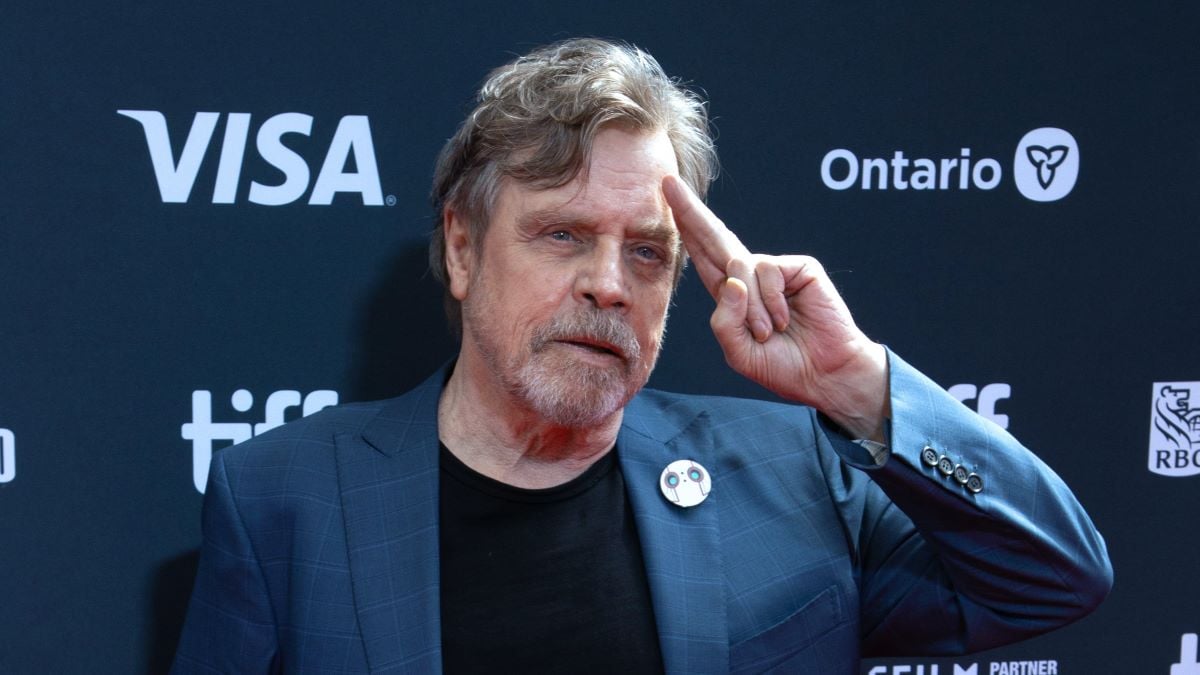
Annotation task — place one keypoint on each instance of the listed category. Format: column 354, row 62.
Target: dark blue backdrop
column 115, row 306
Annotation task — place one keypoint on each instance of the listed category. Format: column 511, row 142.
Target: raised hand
column 781, row 322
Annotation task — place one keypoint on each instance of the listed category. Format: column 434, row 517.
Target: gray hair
column 535, row 120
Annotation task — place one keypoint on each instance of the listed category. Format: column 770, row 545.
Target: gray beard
column 571, row 396
column 561, row 390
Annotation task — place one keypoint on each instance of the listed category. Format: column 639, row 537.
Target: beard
column 549, row 379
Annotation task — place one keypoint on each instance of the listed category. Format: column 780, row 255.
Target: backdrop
column 214, row 219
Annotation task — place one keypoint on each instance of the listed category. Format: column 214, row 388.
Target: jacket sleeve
column 947, row 569
column 230, row 625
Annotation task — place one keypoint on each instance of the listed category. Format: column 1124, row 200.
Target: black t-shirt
column 543, row 581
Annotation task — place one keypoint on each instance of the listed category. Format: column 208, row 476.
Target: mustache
column 593, row 325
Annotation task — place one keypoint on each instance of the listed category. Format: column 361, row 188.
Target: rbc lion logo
column 1175, row 429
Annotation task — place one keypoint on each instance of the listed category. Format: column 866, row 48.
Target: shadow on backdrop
column 170, row 589
column 402, row 330
column 401, row 339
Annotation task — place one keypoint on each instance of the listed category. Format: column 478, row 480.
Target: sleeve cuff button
column 961, row 474
column 929, row 456
column 974, row 483
column 945, row 465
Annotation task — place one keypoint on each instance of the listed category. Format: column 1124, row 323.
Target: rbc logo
column 176, row 178
column 202, row 431
column 1175, row 429
column 985, row 399
column 8, row 456
column 1046, row 164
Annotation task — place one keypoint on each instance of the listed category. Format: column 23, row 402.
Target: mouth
column 593, row 346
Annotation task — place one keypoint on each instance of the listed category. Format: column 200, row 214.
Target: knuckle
column 737, row 267
column 767, row 270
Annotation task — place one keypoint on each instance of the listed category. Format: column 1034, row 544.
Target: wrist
column 857, row 395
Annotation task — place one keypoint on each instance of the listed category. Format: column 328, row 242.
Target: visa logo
column 176, row 175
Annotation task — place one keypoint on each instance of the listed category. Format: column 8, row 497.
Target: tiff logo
column 985, row 399
column 202, row 431
column 8, row 456
column 1175, row 429
column 177, row 176
column 1188, row 663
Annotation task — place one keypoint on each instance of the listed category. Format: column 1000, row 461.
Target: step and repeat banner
column 214, row 219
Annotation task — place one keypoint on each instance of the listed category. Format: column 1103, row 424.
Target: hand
column 782, row 324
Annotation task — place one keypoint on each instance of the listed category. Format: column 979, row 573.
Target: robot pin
column 685, row 483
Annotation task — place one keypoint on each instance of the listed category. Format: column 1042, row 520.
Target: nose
column 601, row 280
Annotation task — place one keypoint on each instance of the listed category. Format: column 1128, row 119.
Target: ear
column 460, row 254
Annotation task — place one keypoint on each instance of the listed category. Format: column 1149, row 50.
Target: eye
column 562, row 235
column 647, row 253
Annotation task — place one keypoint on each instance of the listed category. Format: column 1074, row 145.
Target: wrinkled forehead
column 623, row 178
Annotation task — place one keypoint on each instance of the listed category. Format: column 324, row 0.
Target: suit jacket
column 320, row 545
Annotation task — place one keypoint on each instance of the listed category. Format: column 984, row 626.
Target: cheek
column 653, row 319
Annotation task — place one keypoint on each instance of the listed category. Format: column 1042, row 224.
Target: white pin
column 685, row 483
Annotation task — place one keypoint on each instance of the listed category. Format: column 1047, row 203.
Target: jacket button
column 961, row 474
column 945, row 465
column 974, row 483
column 929, row 456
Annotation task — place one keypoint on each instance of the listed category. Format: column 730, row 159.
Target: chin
column 577, row 396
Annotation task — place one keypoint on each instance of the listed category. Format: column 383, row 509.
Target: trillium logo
column 1046, row 164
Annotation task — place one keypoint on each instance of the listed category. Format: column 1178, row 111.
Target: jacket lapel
column 680, row 545
column 389, row 484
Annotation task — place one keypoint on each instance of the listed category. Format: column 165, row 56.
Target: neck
column 489, row 431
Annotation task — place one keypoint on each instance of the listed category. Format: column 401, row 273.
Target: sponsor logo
column 1175, row 429
column 8, row 456
column 1188, row 655
column 202, row 431
column 985, row 399
column 1041, row 667
column 841, row 169
column 923, row 669
column 1046, row 164
column 1045, row 167
column 177, row 176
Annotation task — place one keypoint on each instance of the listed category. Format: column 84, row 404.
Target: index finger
column 710, row 244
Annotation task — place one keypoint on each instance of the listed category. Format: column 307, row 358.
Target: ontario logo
column 1175, row 429
column 1045, row 168
column 1046, row 164
column 176, row 174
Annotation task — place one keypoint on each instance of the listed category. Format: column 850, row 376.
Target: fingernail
column 732, row 289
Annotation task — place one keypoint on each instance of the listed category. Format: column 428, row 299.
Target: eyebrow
column 655, row 230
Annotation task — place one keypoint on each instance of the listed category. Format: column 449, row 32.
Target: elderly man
column 570, row 521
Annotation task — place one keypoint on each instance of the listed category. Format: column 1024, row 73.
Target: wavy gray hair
column 535, row 120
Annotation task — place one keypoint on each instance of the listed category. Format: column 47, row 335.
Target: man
column 568, row 520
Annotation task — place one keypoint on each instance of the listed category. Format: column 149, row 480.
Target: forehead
column 622, row 184
column 627, row 159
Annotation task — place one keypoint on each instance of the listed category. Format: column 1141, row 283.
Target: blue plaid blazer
column 320, row 548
